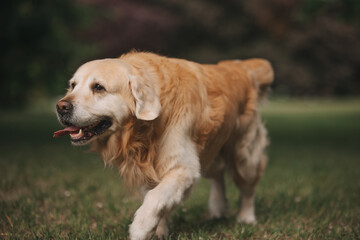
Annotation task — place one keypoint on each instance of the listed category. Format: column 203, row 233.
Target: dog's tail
column 260, row 70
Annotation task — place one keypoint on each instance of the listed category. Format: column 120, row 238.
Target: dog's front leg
column 165, row 196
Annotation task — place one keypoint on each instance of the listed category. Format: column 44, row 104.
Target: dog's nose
column 64, row 107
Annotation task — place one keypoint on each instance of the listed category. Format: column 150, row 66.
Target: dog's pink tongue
column 66, row 131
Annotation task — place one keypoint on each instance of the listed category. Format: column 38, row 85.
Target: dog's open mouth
column 83, row 134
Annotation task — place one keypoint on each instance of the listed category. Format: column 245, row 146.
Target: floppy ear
column 147, row 103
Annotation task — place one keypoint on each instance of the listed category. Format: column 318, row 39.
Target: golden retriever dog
column 164, row 122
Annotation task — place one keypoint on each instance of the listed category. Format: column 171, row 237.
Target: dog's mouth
column 80, row 135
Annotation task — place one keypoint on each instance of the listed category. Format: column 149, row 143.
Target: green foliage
column 39, row 47
column 345, row 10
column 310, row 190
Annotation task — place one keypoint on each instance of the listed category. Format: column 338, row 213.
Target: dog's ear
column 147, row 103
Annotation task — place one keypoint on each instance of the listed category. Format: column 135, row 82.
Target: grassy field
column 310, row 190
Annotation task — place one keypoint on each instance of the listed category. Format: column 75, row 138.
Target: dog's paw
column 246, row 218
column 139, row 232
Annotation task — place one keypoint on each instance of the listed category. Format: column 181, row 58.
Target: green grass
column 311, row 188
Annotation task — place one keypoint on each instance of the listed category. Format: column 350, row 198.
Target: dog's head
column 103, row 93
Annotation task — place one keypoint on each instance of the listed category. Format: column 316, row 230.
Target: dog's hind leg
column 249, row 165
column 246, row 200
column 217, row 200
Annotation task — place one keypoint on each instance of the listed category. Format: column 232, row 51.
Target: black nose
column 63, row 107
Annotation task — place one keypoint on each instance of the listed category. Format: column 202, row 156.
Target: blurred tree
column 39, row 48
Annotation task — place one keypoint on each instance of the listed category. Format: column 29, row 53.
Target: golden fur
column 218, row 93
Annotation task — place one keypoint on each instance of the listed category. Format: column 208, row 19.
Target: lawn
column 310, row 190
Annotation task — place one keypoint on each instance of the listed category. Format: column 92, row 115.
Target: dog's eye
column 97, row 87
column 73, row 85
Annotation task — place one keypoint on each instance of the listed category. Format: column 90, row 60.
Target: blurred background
column 314, row 45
